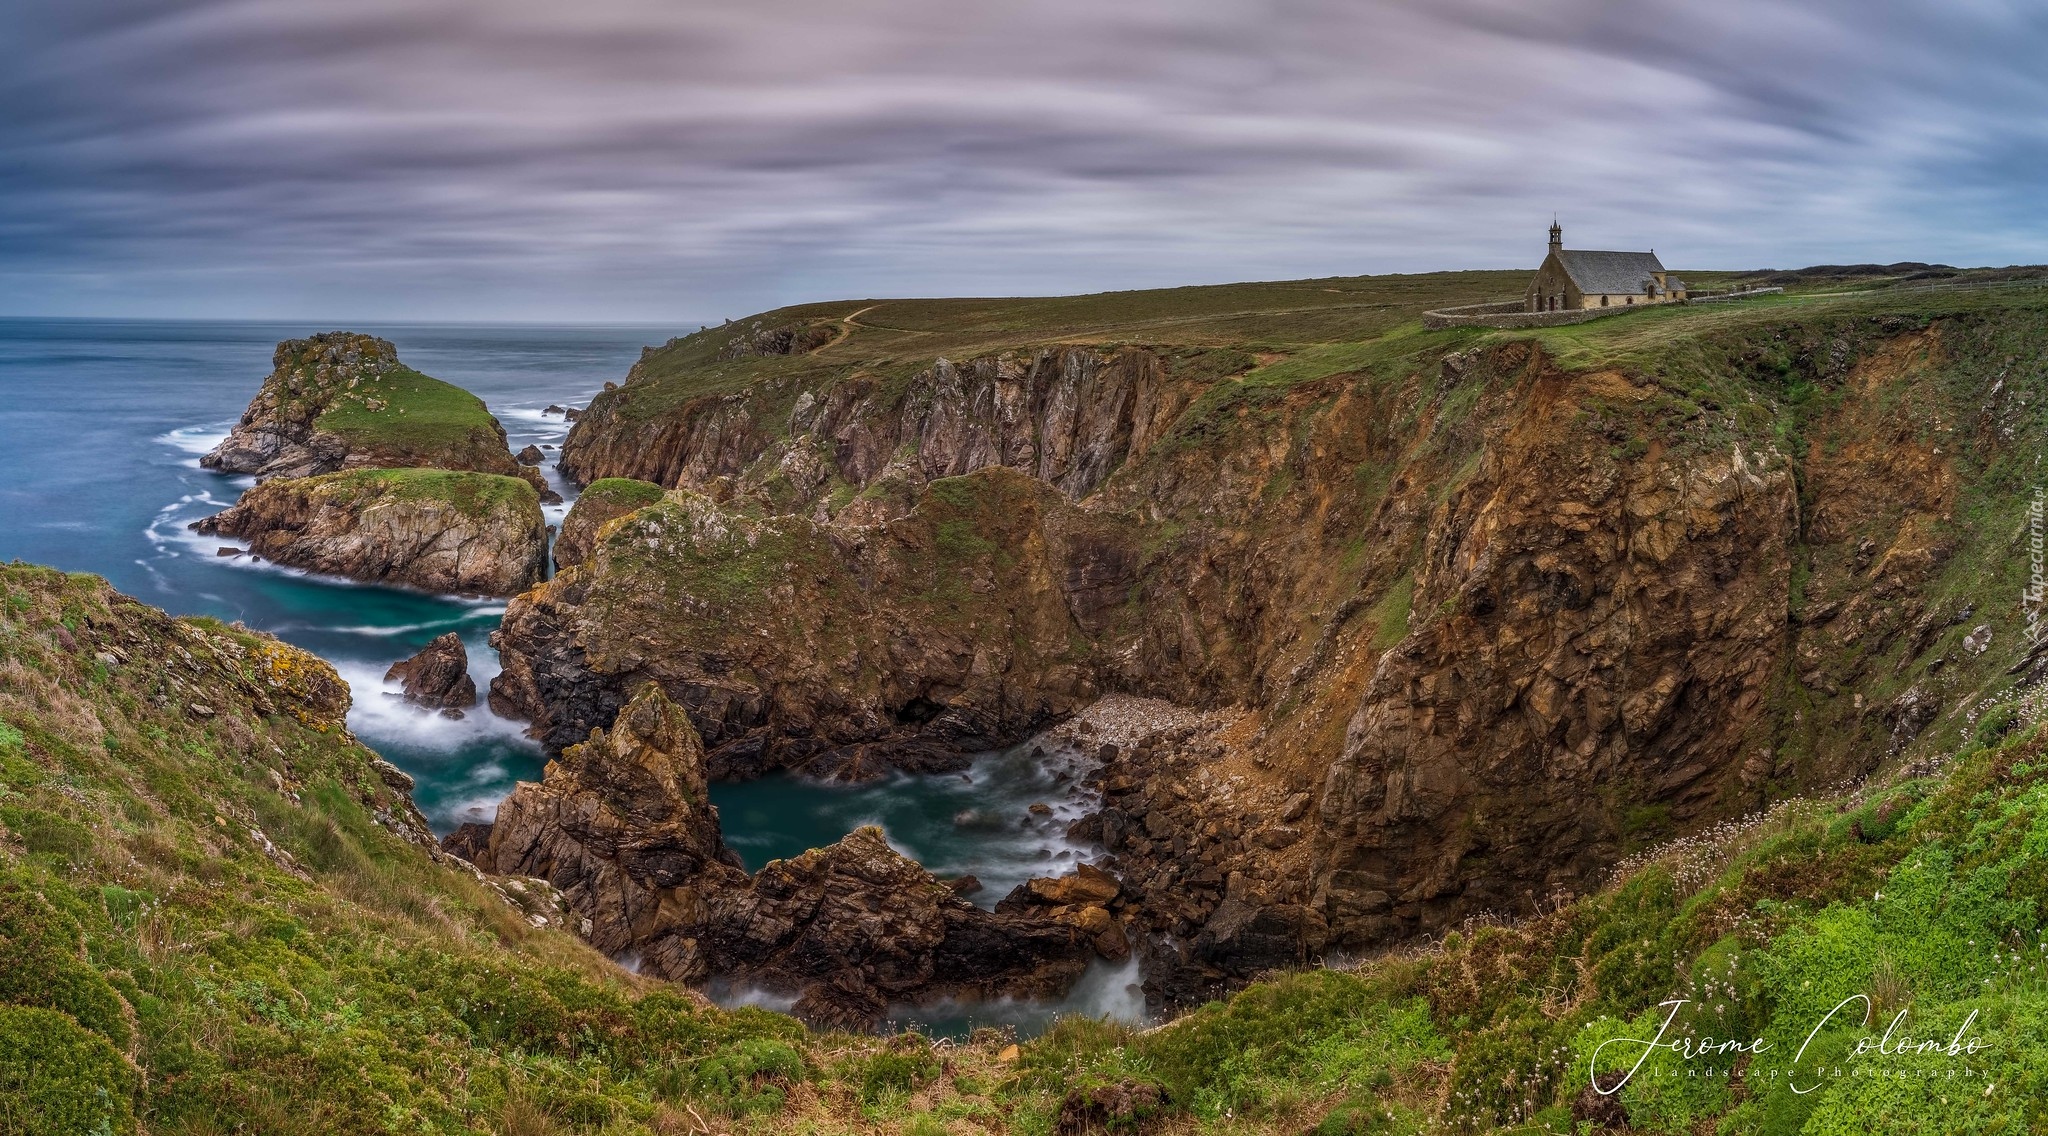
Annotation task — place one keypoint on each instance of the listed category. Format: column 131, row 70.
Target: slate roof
column 1610, row 272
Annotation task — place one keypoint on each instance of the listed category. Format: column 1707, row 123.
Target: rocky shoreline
column 439, row 531
column 623, row 827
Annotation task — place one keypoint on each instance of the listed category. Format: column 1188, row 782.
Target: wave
column 380, row 714
column 1104, row 990
column 196, row 440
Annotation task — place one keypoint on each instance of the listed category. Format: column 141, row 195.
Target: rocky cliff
column 1065, row 415
column 1492, row 609
column 342, row 400
column 440, row 531
column 623, row 825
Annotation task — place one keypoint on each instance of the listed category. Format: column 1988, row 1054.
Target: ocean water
column 102, row 423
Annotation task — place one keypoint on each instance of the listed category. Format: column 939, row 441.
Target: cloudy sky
column 680, row 160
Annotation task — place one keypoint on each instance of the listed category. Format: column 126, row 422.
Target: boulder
column 531, row 455
column 471, row 841
column 437, row 677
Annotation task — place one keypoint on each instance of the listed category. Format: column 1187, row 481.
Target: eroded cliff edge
column 1492, row 618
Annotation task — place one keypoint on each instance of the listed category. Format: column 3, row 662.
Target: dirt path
column 846, row 327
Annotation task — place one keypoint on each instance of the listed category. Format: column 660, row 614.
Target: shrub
column 40, row 966
column 900, row 1069
column 56, row 1077
column 750, row 1076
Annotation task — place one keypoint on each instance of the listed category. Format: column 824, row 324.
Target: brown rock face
column 988, row 647
column 1068, row 416
column 1604, row 632
column 622, row 825
column 438, row 677
column 287, row 430
column 469, row 533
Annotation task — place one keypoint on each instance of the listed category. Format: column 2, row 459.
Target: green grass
column 625, row 492
column 418, row 414
column 474, row 494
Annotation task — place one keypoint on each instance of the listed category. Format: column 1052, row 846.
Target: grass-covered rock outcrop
column 601, row 502
column 343, row 400
column 435, row 529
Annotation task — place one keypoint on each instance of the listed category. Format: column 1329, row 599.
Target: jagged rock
column 438, row 677
column 1087, row 885
column 553, row 408
column 619, row 823
column 471, row 840
column 622, row 825
column 857, row 926
column 440, row 531
column 531, row 455
column 333, row 401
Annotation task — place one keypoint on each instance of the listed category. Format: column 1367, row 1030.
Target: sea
column 103, row 422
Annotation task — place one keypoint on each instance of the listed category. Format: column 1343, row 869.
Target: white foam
column 1104, row 990
column 196, row 440
column 379, row 714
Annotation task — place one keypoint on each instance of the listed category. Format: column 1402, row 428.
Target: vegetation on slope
column 471, row 494
column 398, row 408
column 213, row 921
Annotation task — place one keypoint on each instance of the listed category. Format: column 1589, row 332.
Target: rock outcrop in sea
column 342, row 400
column 438, row 676
column 436, row 530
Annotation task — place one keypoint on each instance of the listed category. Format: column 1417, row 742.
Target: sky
column 683, row 161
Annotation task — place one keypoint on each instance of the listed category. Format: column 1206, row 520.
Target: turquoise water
column 103, row 423
column 978, row 823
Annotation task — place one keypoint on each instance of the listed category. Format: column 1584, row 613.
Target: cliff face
column 1065, row 415
column 436, row 530
column 624, row 826
column 342, row 400
column 764, row 628
column 1490, row 619
column 1598, row 644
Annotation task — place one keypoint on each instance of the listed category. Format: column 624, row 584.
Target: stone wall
column 1510, row 313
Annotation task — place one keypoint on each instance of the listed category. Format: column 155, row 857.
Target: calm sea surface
column 102, row 423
